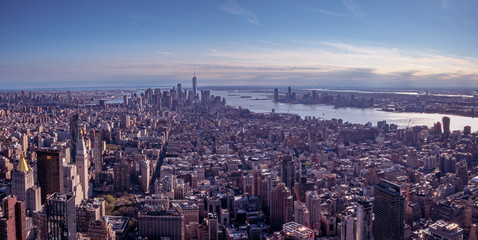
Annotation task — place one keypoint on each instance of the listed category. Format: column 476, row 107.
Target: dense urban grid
column 182, row 164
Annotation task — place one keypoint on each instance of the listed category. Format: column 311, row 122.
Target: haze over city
column 394, row 44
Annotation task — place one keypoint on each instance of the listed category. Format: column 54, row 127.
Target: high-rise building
column 122, row 172
column 82, row 166
column 125, row 100
column 13, row 224
column 437, row 128
column 446, row 125
column 195, row 82
column 467, row 130
column 269, row 182
column 312, row 137
column 24, row 138
column 89, row 211
column 346, row 227
column 22, row 181
column 180, row 91
column 39, row 220
column 276, row 95
column 447, row 163
column 213, row 226
column 364, row 227
column 61, row 216
column 281, row 207
column 50, row 172
column 71, row 182
column 389, row 211
column 74, row 135
column 301, row 213
column 125, row 121
column 288, row 171
column 313, row 203
column 98, row 156
column 145, row 175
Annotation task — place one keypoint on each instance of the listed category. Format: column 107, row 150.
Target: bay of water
column 259, row 102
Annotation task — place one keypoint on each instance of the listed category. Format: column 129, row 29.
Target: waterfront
column 260, row 102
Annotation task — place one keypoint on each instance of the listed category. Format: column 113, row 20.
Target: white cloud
column 354, row 8
column 232, row 7
column 312, row 63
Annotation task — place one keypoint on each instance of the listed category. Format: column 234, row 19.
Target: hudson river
column 260, row 103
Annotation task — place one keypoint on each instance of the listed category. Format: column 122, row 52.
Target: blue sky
column 382, row 43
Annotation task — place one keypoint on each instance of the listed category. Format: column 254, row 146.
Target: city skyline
column 239, row 43
column 180, row 164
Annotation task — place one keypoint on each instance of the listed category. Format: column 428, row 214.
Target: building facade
column 389, row 211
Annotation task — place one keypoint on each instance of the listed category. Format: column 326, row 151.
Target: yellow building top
column 22, row 165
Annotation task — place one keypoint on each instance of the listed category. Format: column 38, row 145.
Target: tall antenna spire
column 195, row 83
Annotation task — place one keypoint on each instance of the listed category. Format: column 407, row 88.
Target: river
column 259, row 102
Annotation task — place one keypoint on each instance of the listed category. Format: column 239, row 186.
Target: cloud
column 363, row 19
column 165, row 53
column 331, row 13
column 356, row 10
column 270, row 43
column 311, row 64
column 232, row 7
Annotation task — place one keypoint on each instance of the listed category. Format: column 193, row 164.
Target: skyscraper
column 125, row 121
column 98, row 155
column 276, row 95
column 24, row 142
column 364, row 229
column 281, row 207
column 467, row 130
column 313, row 203
column 74, row 134
column 13, row 224
column 195, row 82
column 122, row 172
column 144, row 167
column 180, row 92
column 22, row 179
column 301, row 213
column 212, row 224
column 125, row 100
column 82, row 166
column 389, row 210
column 50, row 172
column 71, row 182
column 288, row 171
column 446, row 125
column 23, row 185
column 61, row 216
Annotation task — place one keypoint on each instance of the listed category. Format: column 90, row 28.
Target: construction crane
column 302, row 208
